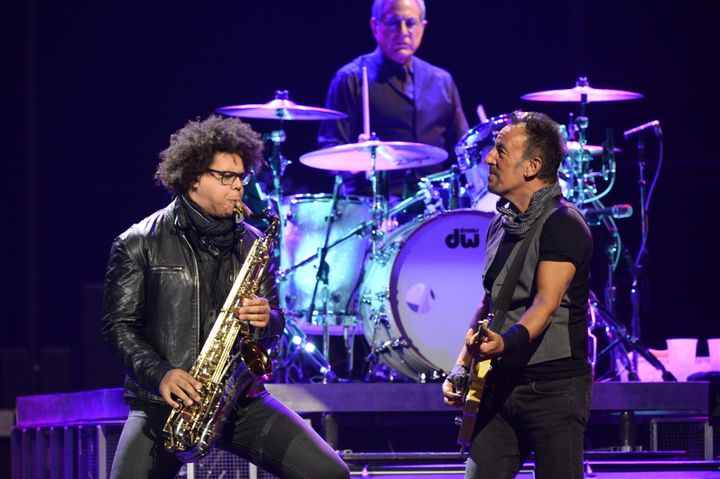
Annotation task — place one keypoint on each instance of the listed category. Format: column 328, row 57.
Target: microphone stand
column 637, row 266
column 324, row 270
column 629, row 342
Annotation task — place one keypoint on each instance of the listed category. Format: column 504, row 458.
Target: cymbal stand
column 583, row 188
column 581, row 123
column 324, row 271
column 379, row 205
column 278, row 163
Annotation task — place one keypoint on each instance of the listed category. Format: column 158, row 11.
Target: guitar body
column 474, row 391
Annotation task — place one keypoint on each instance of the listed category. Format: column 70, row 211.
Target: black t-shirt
column 565, row 237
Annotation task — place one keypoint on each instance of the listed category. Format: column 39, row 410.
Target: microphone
column 655, row 125
column 615, row 211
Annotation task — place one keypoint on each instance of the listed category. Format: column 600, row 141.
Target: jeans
column 548, row 417
column 261, row 430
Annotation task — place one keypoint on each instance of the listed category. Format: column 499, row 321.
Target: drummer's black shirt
column 565, row 238
column 433, row 115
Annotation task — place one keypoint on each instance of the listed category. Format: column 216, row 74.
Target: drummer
column 410, row 99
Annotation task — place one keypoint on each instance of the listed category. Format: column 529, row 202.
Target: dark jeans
column 547, row 417
column 263, row 431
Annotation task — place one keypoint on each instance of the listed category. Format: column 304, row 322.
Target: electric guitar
column 473, row 394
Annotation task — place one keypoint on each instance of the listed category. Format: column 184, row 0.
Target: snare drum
column 421, row 290
column 305, row 223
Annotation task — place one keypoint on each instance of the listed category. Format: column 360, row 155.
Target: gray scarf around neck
column 216, row 234
column 518, row 224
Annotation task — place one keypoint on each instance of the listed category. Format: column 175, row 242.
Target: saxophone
column 190, row 431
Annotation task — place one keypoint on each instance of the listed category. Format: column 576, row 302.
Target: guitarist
column 537, row 394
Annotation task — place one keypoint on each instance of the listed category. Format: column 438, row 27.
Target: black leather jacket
column 151, row 319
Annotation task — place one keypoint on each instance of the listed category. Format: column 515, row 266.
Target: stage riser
column 86, row 451
column 696, row 436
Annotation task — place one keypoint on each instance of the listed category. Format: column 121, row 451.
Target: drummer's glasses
column 395, row 24
column 227, row 178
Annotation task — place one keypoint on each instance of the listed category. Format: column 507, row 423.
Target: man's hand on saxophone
column 179, row 383
column 256, row 311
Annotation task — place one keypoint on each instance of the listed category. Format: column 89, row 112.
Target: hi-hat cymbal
column 389, row 155
column 594, row 150
column 582, row 88
column 281, row 108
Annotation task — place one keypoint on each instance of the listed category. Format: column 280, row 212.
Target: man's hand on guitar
column 484, row 344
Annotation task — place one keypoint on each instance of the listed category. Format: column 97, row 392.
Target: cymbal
column 281, row 108
column 389, row 155
column 582, row 87
column 594, row 150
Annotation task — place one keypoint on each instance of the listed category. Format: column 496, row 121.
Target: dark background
column 92, row 91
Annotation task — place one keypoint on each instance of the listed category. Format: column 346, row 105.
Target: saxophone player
column 167, row 277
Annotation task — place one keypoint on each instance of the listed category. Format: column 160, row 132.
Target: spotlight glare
column 297, row 340
column 309, row 348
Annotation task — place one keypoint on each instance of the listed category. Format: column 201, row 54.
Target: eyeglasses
column 227, row 178
column 395, row 24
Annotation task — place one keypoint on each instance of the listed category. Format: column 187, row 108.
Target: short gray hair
column 378, row 5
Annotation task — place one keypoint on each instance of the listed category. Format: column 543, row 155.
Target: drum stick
column 481, row 113
column 366, row 104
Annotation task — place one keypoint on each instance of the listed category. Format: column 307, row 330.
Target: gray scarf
column 216, row 234
column 518, row 224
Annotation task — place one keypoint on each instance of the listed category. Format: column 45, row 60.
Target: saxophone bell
column 256, row 359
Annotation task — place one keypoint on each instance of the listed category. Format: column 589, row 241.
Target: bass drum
column 421, row 290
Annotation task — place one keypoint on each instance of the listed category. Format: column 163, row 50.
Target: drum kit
column 409, row 284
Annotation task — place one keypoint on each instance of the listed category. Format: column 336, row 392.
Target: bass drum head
column 421, row 291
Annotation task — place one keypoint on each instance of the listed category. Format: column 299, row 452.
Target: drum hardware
column 445, row 181
column 300, row 357
column 378, row 319
column 622, row 342
column 392, row 343
column 323, row 270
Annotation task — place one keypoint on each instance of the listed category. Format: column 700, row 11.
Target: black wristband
column 515, row 338
column 459, row 369
column 458, row 376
